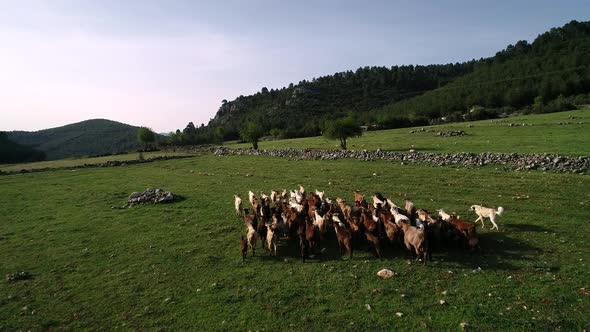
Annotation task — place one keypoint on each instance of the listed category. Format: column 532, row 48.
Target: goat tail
column 500, row 210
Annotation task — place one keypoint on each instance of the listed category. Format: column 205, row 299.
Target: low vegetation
column 92, row 264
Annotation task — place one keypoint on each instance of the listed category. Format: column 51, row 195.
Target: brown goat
column 391, row 229
column 346, row 209
column 367, row 221
column 343, row 235
column 416, row 239
column 311, row 234
column 358, row 198
column 374, row 241
column 261, row 230
column 249, row 219
column 462, row 226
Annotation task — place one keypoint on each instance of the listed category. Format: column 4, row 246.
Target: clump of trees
column 252, row 133
column 146, row 136
column 342, row 129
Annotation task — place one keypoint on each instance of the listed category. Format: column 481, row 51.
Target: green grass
column 72, row 162
column 545, row 135
column 178, row 267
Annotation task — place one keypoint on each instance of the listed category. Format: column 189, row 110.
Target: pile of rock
column 518, row 161
column 152, row 196
column 451, row 133
column 23, row 275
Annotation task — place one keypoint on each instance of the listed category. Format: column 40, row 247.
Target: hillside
column 86, row 138
column 550, row 74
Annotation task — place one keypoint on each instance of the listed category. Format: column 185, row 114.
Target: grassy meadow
column 96, row 265
column 72, row 162
column 541, row 134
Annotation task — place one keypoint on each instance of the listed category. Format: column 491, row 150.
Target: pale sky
column 162, row 64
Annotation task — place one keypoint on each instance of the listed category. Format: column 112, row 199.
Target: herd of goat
column 309, row 217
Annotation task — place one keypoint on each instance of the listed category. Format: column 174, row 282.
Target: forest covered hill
column 552, row 73
column 86, row 138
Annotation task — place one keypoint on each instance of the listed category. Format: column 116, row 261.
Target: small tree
column 219, row 135
column 145, row 136
column 342, row 129
column 252, row 133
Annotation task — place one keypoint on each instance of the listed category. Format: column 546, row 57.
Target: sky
column 162, row 64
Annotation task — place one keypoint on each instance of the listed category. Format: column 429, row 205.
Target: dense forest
column 86, row 138
column 12, row 152
column 550, row 74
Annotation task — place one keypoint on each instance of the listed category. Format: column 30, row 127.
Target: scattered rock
column 441, row 302
column 368, row 306
column 399, row 314
column 385, row 274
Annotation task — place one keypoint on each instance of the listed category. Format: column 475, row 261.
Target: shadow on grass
column 498, row 251
column 527, row 228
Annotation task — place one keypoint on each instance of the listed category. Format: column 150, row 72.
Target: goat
column 311, row 234
column 343, row 235
column 398, row 217
column 249, row 219
column 346, row 209
column 378, row 199
column 374, row 241
column 320, row 223
column 272, row 240
column 255, row 205
column 274, row 196
column 424, row 217
column 391, row 229
column 302, row 190
column 252, row 237
column 320, row 194
column 238, row 205
column 392, row 204
column 251, row 197
column 415, row 238
column 445, row 216
column 261, row 230
column 463, row 227
column 410, row 209
column 244, row 248
column 358, row 198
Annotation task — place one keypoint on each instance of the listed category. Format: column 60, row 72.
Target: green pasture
column 96, row 265
column 566, row 133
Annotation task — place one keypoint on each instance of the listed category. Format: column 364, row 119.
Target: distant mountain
column 86, row 138
column 550, row 74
